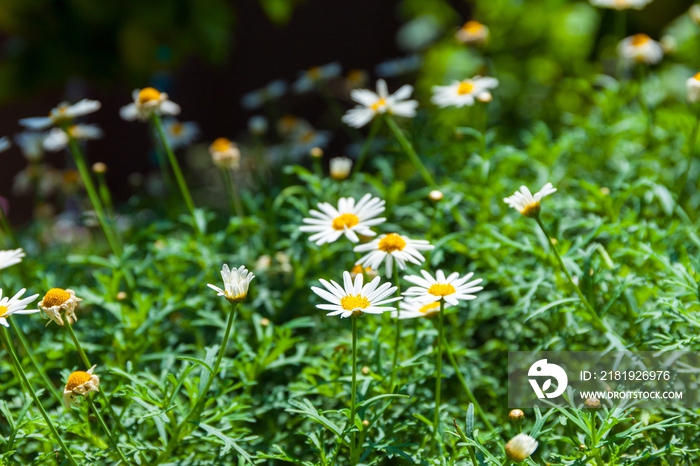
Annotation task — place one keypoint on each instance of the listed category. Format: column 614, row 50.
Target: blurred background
column 207, row 54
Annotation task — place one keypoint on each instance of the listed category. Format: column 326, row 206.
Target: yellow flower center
column 55, row 297
column 220, row 145
column 314, row 73
column 177, row 128
column 378, row 104
column 621, row 3
column 235, row 298
column 356, row 76
column 148, row 94
column 354, row 302
column 307, row 137
column 473, row 27
column 441, row 289
column 640, row 39
column 392, row 242
column 3, row 311
column 465, row 87
column 531, row 210
column 345, row 221
column 76, row 379
column 429, row 307
column 697, row 77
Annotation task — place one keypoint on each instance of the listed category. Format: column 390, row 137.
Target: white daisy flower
column 225, row 154
column 256, row 99
column 31, row 143
column 340, row 167
column 693, row 87
column 461, row 93
column 640, row 48
column 621, row 4
column 15, row 305
column 414, row 310
column 5, row 143
column 57, row 300
column 236, row 283
column 11, row 257
column 373, row 104
column 147, row 102
column 57, row 139
column 64, row 113
column 390, row 247
column 306, row 139
column 524, row 202
column 353, row 299
column 473, row 32
column 694, row 12
column 258, row 125
column 452, row 288
column 80, row 383
column 180, row 133
column 520, row 447
column 309, row 79
column 398, row 66
column 350, row 219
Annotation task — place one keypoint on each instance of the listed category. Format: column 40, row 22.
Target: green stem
column 438, row 373
column 104, row 192
column 47, row 382
column 408, row 147
column 353, row 446
column 92, row 194
column 397, row 341
column 373, row 130
column 87, row 364
column 106, row 430
column 466, row 388
column 184, row 190
column 44, row 414
column 691, row 156
column 234, row 199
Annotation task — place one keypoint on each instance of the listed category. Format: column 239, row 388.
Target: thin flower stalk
column 107, row 431
column 18, row 366
column 25, row 346
column 184, row 190
column 397, row 283
column 354, row 453
column 232, row 193
column 408, row 147
column 438, row 373
column 373, row 130
column 692, row 142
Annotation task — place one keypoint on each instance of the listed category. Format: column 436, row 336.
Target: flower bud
column 340, row 168
column 520, row 447
column 516, row 416
column 592, row 403
column 316, row 152
column 99, row 167
column 435, row 195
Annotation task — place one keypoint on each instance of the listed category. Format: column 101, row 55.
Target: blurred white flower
column 147, row 102
column 524, row 202
column 236, row 283
column 80, row 383
column 473, row 32
column 694, row 12
column 256, row 99
column 353, row 298
column 461, row 93
column 11, row 257
column 669, row 44
column 340, row 167
column 398, row 66
column 64, row 113
column 303, row 141
column 693, row 87
column 57, row 139
column 31, row 143
column 309, row 79
column 390, row 247
column 350, row 219
column 621, row 4
column 56, row 300
column 640, row 48
column 520, row 447
column 225, row 154
column 180, row 134
column 15, row 305
column 373, row 104
column 435, row 195
column 5, row 143
column 257, row 125
column 452, row 288
column 413, row 310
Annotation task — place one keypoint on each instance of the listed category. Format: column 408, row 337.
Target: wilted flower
column 621, row 4
column 390, row 247
column 80, row 383
column 520, row 447
column 473, row 32
column 413, row 310
column 451, row 289
column 640, row 48
column 310, row 78
column 257, row 125
column 58, row 139
column 57, row 300
column 527, row 204
column 256, row 99
column 236, row 283
column 15, row 305
column 353, row 298
column 147, row 102
column 373, row 104
column 63, row 114
column 179, row 133
column 693, row 87
column 461, row 93
column 398, row 66
column 340, row 168
column 11, row 257
column 350, row 219
column 31, row 143
column 225, row 154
